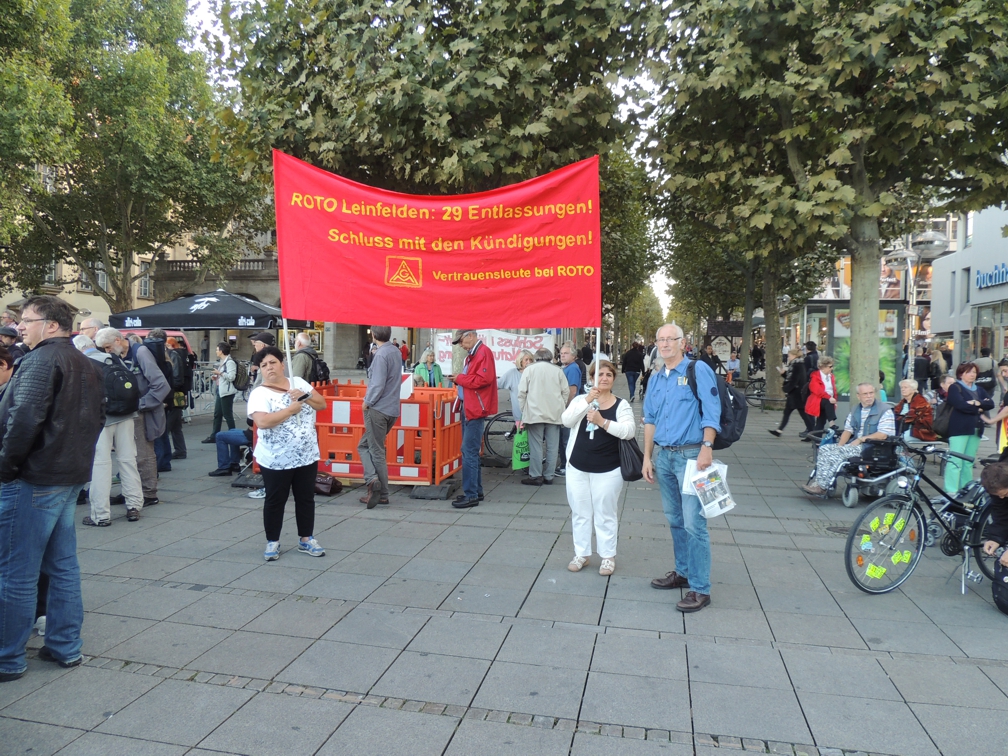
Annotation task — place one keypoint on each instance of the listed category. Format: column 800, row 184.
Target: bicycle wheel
column 498, row 436
column 884, row 544
column 755, row 390
column 983, row 523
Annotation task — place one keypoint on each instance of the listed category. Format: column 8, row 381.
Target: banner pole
column 598, row 344
column 286, row 338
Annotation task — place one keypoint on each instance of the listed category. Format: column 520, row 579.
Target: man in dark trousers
column 381, row 409
column 50, row 418
column 477, row 386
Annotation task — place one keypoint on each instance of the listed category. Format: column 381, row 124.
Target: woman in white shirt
column 287, row 451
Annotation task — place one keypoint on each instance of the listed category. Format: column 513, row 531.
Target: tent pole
column 290, row 368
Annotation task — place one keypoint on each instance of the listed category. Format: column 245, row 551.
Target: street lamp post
column 917, row 250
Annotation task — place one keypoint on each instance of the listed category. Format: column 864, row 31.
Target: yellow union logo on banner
column 403, row 271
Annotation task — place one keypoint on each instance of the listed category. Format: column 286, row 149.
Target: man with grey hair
column 870, row 420
column 90, row 326
column 303, row 360
column 381, row 408
column 8, row 319
column 118, row 434
column 477, row 388
column 543, row 394
column 151, row 422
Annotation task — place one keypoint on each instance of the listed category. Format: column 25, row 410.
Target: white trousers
column 121, row 437
column 594, row 496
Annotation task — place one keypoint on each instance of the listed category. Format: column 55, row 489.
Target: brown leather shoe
column 693, row 602
column 671, row 580
column 371, row 497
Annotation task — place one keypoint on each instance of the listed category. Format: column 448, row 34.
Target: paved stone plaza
column 428, row 630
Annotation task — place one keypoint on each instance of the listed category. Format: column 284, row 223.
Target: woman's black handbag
column 631, row 459
column 940, row 425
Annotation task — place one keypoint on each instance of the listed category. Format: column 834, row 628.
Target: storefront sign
column 996, row 277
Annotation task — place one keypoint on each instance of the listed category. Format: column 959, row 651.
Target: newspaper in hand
column 711, row 487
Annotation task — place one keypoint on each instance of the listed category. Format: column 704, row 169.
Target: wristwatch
column 709, row 444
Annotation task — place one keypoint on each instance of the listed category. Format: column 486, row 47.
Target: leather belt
column 681, row 447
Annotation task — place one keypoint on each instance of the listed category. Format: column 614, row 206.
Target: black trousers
column 173, row 426
column 279, row 485
column 827, row 413
column 793, row 402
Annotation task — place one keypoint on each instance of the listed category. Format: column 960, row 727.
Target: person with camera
column 287, row 450
column 598, row 420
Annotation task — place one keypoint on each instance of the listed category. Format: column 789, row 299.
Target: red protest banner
column 525, row 256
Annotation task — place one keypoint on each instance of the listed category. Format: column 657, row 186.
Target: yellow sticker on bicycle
column 874, row 571
column 899, row 525
column 865, row 539
column 897, row 558
column 890, row 516
column 874, row 524
column 906, row 557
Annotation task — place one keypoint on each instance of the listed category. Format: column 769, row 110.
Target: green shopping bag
column 520, row 454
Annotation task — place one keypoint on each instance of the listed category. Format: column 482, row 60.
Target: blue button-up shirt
column 670, row 407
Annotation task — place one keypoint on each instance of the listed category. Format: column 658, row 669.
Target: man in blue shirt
column 575, row 384
column 677, row 428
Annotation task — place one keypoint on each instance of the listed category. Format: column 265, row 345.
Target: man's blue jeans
column 37, row 534
column 162, row 452
column 228, row 443
column 631, row 380
column 472, row 473
column 683, row 512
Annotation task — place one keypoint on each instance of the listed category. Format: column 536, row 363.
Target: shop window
column 969, row 230
column 952, row 290
column 966, row 279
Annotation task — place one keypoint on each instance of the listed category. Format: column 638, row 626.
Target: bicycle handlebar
column 959, row 456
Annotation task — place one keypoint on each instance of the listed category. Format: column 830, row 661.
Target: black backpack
column 319, row 372
column 122, row 390
column 157, row 348
column 179, row 369
column 734, row 409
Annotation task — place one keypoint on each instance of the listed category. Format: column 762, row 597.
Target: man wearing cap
column 477, row 387
column 8, row 338
column 259, row 342
column 381, row 408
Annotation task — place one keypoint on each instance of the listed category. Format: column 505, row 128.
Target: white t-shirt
column 827, row 384
column 293, row 443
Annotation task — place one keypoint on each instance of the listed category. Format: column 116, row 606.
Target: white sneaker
column 40, row 626
column 272, row 552
column 259, row 493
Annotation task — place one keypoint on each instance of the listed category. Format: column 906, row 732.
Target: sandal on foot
column 608, row 567
column 97, row 524
column 577, row 563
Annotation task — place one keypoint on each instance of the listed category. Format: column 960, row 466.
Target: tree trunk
column 864, row 314
column 616, row 332
column 771, row 316
column 747, row 316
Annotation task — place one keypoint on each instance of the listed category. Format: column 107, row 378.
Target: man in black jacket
column 995, row 481
column 50, row 419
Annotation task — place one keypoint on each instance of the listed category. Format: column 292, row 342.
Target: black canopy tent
column 216, row 309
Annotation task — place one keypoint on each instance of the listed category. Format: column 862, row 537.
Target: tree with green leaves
column 446, row 97
column 644, row 316
column 142, row 176
column 824, row 122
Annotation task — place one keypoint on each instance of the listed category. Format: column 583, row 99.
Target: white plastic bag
column 710, row 486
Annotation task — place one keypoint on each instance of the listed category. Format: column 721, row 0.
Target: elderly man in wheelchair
column 869, row 421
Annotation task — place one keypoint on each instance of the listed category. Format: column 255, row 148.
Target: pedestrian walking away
column 794, row 381
column 287, row 451
column 381, row 408
column 678, row 427
column 632, row 366
column 969, row 402
column 599, row 420
column 51, row 415
column 542, row 398
column 477, row 387
column 511, row 380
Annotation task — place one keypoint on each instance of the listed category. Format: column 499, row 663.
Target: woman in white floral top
column 283, row 410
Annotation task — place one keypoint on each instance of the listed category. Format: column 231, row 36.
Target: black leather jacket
column 51, row 416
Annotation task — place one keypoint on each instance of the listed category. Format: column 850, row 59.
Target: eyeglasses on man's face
column 669, row 339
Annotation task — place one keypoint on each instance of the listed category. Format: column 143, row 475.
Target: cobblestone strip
column 726, row 742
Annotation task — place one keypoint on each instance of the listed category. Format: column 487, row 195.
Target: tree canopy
column 804, row 122
column 137, row 175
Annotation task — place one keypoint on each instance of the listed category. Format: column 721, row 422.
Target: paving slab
column 499, row 739
column 424, row 676
column 532, row 689
column 636, row 701
column 20, row 737
column 374, row 731
column 866, row 724
column 341, row 666
column 304, row 618
column 257, row 655
column 270, row 724
column 600, row 745
column 748, row 712
column 169, row 644
column 375, row 625
column 459, row 636
column 555, row 647
column 97, row 744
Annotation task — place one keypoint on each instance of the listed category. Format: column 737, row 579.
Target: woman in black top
column 598, row 419
column 794, row 380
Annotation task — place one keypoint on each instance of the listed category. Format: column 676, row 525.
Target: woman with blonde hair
column 938, row 368
column 512, row 378
column 428, row 372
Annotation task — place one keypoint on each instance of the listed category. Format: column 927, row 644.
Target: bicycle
column 498, row 435
column 886, row 542
column 755, row 392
